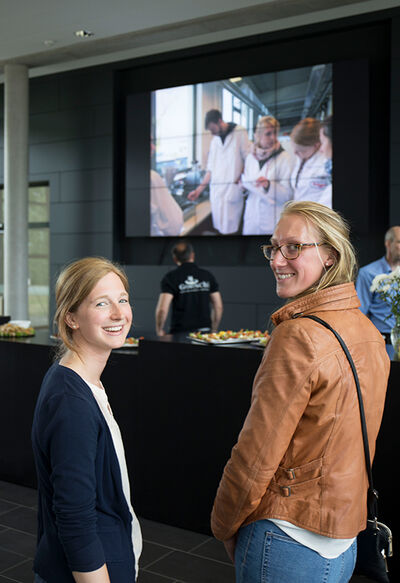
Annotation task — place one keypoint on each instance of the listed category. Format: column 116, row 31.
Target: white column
column 16, row 115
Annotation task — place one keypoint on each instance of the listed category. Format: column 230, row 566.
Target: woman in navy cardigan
column 87, row 530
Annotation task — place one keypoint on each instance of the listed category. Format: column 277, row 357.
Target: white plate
column 129, row 345
column 20, row 323
column 228, row 341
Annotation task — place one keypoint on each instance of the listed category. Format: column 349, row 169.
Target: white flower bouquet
column 387, row 285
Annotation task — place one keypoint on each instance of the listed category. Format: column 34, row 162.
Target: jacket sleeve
column 72, row 435
column 281, row 392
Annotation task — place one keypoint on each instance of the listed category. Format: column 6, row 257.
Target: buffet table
column 180, row 407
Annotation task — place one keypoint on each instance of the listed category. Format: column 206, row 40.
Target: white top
column 225, row 162
column 166, row 216
column 310, row 180
column 327, row 547
column 264, row 208
column 102, row 401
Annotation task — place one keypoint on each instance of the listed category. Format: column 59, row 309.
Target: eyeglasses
column 289, row 251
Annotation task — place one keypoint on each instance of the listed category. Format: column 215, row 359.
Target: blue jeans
column 265, row 554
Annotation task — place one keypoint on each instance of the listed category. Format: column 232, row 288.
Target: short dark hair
column 212, row 116
column 182, row 251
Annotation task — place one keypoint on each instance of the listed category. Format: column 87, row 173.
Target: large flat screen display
column 224, row 156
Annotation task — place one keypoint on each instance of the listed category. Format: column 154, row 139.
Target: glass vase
column 395, row 339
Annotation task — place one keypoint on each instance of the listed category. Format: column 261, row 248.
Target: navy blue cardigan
column 83, row 518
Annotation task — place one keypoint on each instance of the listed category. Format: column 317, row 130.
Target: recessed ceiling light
column 83, row 33
column 235, row 79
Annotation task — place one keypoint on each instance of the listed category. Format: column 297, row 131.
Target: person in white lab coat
column 309, row 178
column 325, row 137
column 228, row 150
column 266, row 177
column 166, row 216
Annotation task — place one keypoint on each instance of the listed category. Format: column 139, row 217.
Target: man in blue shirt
column 371, row 303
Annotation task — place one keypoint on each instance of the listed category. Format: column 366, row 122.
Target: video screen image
column 227, row 155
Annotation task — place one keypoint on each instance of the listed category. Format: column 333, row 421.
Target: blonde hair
column 268, row 120
column 306, row 132
column 334, row 232
column 73, row 285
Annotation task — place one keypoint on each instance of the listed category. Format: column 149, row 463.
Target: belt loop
column 286, row 491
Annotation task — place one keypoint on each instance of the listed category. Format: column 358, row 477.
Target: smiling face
column 295, row 276
column 266, row 137
column 104, row 317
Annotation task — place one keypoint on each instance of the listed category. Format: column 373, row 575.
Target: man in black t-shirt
column 193, row 292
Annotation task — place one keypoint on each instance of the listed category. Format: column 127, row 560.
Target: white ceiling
column 124, row 29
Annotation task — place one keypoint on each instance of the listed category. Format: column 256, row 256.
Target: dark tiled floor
column 170, row 554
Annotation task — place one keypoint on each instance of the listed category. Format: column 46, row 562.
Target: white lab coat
column 312, row 181
column 225, row 162
column 166, row 216
column 263, row 208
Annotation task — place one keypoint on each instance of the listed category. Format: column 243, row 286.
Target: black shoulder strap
column 372, row 493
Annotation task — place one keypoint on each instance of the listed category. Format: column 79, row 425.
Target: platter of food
column 131, row 342
column 263, row 341
column 11, row 330
column 229, row 336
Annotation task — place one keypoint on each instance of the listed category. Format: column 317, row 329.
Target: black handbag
column 374, row 544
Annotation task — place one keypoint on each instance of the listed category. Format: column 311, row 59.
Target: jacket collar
column 338, row 297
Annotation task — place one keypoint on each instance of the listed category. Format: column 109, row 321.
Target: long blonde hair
column 73, row 285
column 334, row 232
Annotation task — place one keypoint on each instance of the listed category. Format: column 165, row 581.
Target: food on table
column 132, row 341
column 229, row 335
column 13, row 331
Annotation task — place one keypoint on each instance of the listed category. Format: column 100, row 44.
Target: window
column 174, row 123
column 38, row 253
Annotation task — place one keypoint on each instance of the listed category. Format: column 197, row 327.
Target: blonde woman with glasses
column 292, row 497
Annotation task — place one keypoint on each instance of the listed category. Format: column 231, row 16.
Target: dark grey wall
column 395, row 125
column 71, row 147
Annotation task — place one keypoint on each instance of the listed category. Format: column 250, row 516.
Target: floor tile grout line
column 156, row 560
column 201, row 544
column 172, row 579
column 15, row 553
column 227, row 562
column 18, row 530
column 10, row 579
column 158, row 544
column 17, row 504
column 191, row 554
column 14, row 566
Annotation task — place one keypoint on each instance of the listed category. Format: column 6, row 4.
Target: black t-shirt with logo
column 191, row 287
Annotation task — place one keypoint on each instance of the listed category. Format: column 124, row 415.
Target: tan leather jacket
column 299, row 456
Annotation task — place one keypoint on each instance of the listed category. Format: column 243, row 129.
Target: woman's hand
column 262, row 181
column 230, row 545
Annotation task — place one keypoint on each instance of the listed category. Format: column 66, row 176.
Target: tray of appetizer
column 11, row 330
column 228, row 336
column 131, row 342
